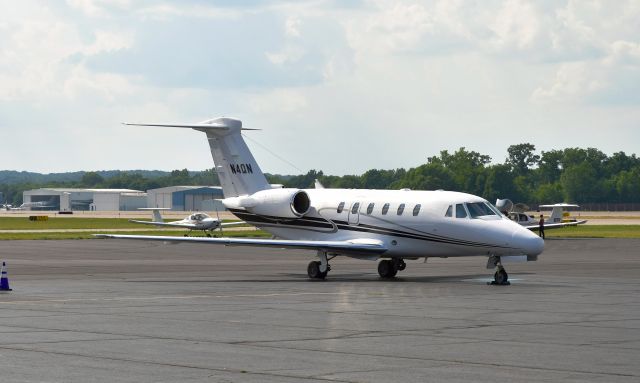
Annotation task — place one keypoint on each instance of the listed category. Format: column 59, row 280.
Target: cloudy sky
column 341, row 86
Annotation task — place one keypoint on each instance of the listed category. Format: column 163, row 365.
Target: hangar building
column 68, row 199
column 186, row 198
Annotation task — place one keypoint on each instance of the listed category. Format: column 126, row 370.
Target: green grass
column 89, row 235
column 596, row 231
column 57, row 223
column 23, row 223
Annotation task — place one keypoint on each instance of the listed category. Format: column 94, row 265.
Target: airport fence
column 610, row 206
column 604, row 206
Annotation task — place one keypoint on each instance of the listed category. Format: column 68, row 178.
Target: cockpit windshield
column 198, row 217
column 480, row 209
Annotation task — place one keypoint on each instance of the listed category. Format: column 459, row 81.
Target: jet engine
column 504, row 205
column 285, row 203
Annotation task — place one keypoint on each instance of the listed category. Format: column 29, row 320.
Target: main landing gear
column 388, row 268
column 319, row 269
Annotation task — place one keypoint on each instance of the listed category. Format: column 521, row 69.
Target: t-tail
column 237, row 170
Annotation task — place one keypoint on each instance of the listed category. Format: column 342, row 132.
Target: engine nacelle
column 286, row 203
column 504, row 205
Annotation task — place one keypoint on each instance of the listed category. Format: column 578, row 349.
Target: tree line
column 569, row 175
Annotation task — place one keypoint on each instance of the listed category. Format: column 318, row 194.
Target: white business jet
column 196, row 221
column 387, row 225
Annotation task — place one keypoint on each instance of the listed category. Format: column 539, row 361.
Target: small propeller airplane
column 196, row 221
column 386, row 225
column 555, row 221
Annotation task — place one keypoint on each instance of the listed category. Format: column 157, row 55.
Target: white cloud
column 292, row 26
column 166, row 11
column 406, row 79
column 289, row 54
column 42, row 58
column 397, row 27
column 278, row 101
column 571, row 80
column 516, row 25
column 599, row 80
column 108, row 41
column 99, row 8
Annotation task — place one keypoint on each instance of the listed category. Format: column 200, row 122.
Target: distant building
column 70, row 199
column 186, row 198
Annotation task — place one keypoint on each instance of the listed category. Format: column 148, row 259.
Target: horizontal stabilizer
column 153, row 208
column 203, row 126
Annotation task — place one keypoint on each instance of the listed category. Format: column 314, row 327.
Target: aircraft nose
column 529, row 242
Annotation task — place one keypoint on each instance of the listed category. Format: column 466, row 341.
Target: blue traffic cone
column 4, row 280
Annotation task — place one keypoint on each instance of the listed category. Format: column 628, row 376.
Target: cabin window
column 385, row 209
column 449, row 212
column 370, row 208
column 400, row 209
column 416, row 210
column 355, row 207
column 460, row 212
column 340, row 207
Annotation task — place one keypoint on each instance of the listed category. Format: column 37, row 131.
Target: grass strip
column 596, row 231
column 23, row 223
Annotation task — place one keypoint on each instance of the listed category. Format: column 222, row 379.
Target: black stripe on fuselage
column 314, row 222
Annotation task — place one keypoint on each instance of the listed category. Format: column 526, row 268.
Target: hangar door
column 193, row 202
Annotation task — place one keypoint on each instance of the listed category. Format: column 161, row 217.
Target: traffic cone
column 4, row 280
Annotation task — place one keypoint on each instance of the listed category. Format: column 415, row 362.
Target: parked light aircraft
column 195, row 221
column 26, row 205
column 37, row 204
column 387, row 225
column 555, row 221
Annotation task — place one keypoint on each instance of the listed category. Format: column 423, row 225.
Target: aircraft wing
column 548, row 226
column 166, row 224
column 185, row 225
column 354, row 246
column 232, row 224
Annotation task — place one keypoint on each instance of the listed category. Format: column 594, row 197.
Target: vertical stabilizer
column 157, row 217
column 237, row 170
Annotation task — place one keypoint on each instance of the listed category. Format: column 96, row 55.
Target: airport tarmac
column 129, row 311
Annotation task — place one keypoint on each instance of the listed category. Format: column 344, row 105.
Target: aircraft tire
column 501, row 277
column 313, row 271
column 401, row 265
column 387, row 269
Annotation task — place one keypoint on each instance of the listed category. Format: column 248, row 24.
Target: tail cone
column 4, row 280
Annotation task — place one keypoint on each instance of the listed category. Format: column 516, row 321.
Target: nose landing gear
column 500, row 278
